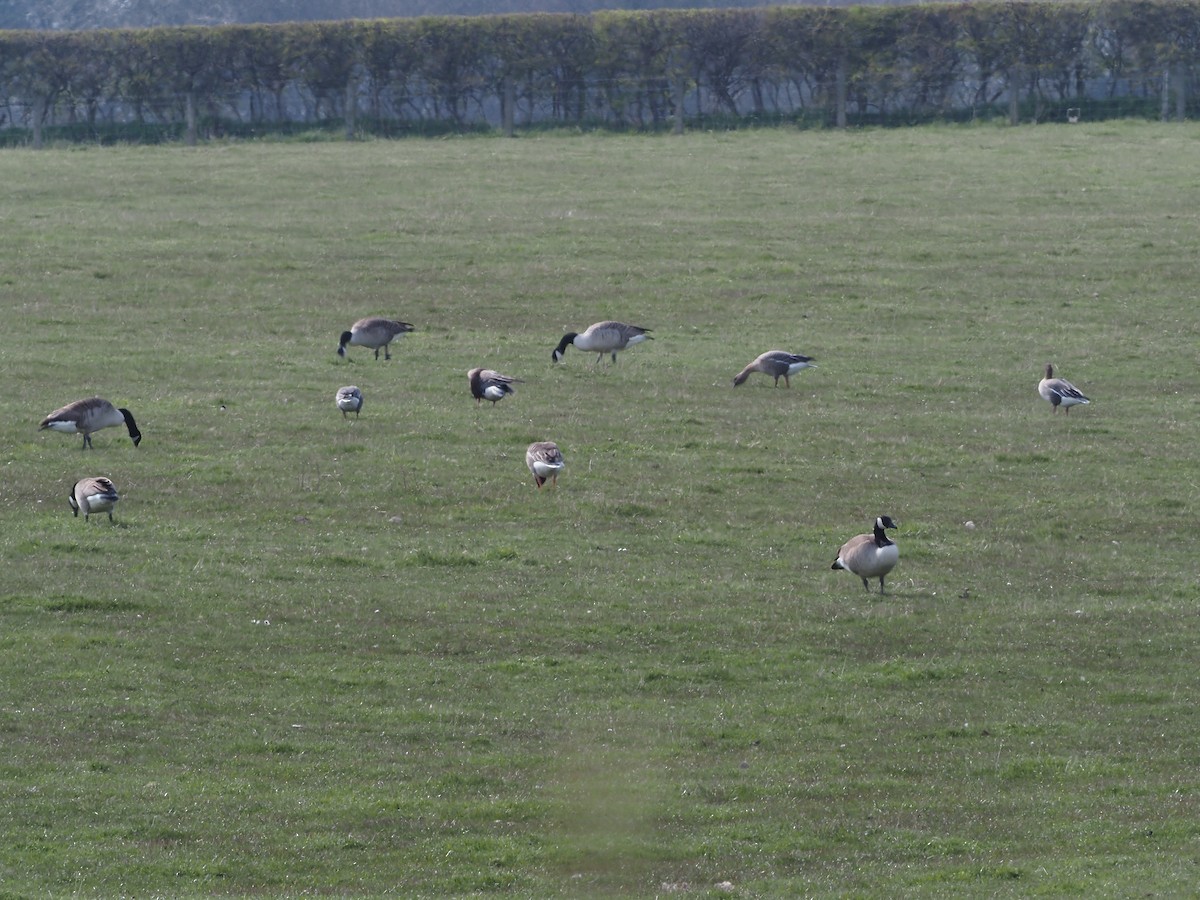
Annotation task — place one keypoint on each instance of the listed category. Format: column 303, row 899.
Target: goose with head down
column 374, row 333
column 95, row 494
column 545, row 461
column 88, row 416
column 777, row 363
column 601, row 338
column 487, row 384
column 349, row 399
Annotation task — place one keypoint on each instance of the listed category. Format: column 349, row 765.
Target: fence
column 815, row 67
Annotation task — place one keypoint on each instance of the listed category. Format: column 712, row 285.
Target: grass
column 366, row 657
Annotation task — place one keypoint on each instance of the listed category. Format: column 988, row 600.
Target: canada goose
column 1060, row 392
column 93, row 495
column 488, row 385
column 778, row 363
column 373, row 332
column 601, row 338
column 349, row 399
column 85, row 416
column 545, row 461
column 869, row 555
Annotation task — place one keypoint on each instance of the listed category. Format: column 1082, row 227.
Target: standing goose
column 373, row 332
column 488, row 385
column 545, row 461
column 85, row 416
column 778, row 363
column 601, row 338
column 1060, row 392
column 869, row 555
column 349, row 400
column 93, row 495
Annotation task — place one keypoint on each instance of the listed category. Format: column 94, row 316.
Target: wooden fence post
column 507, row 105
column 350, row 118
column 189, row 116
column 1181, row 82
column 680, row 94
column 39, row 113
column 1014, row 97
column 841, row 90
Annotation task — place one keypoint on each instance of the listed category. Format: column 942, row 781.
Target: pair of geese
column 377, row 334
column 485, row 384
column 875, row 555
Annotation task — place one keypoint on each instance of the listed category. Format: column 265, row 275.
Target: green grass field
column 324, row 656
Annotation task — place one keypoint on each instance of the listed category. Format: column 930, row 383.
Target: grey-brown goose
column 870, row 555
column 95, row 494
column 1060, row 392
column 373, row 332
column 349, row 399
column 545, row 461
column 487, row 384
column 777, row 363
column 602, row 338
column 90, row 415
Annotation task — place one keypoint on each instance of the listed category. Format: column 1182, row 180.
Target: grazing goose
column 489, row 385
column 545, row 461
column 601, row 338
column 93, row 495
column 778, row 363
column 1060, row 392
column 349, row 399
column 85, row 416
column 869, row 555
column 373, row 332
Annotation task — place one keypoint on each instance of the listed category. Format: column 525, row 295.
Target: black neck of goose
column 881, row 538
column 132, row 426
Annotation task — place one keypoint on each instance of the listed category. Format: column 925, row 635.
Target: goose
column 85, row 416
column 778, row 363
column 95, row 494
column 488, row 385
column 373, row 332
column 601, row 338
column 545, row 461
column 349, row 399
column 1060, row 392
column 869, row 555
